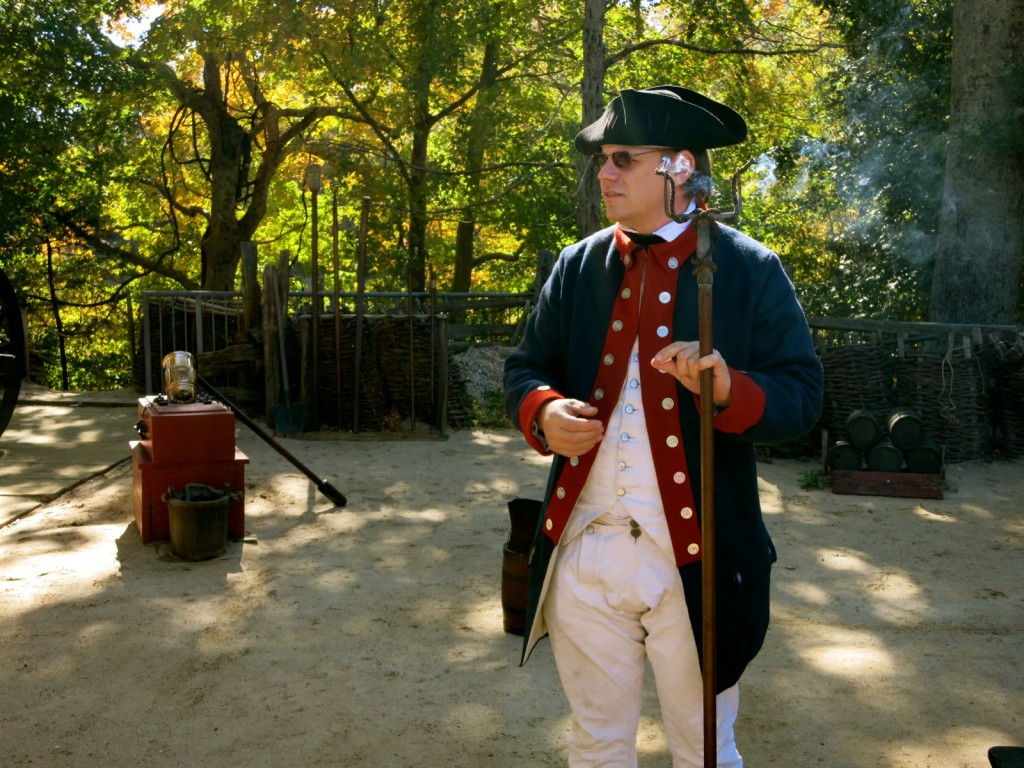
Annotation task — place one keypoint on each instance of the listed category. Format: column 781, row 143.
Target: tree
column 233, row 126
column 977, row 276
column 929, row 155
column 64, row 118
column 588, row 208
column 718, row 48
column 418, row 73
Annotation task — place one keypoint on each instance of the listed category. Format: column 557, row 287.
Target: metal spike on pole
column 704, row 270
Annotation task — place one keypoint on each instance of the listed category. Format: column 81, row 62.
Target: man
column 607, row 380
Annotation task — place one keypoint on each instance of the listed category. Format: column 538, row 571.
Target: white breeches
column 615, row 602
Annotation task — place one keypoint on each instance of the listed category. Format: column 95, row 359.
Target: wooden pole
column 337, row 299
column 705, row 269
column 364, row 216
column 312, row 409
column 271, row 351
column 314, row 184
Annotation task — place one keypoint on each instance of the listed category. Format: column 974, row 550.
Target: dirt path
column 371, row 635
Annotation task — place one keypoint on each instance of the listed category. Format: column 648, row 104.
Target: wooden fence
column 384, row 358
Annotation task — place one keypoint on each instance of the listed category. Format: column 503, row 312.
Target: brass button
column 668, row 403
column 693, row 549
column 620, row 492
column 679, row 478
column 599, row 394
column 560, row 493
column 549, row 524
column 574, row 461
column 609, row 359
column 671, row 441
column 617, row 325
column 687, row 513
column 626, row 293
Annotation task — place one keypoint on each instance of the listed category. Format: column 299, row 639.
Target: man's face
column 634, row 196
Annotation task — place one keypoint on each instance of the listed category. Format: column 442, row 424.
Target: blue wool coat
column 760, row 330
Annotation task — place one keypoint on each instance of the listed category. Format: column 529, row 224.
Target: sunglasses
column 621, row 159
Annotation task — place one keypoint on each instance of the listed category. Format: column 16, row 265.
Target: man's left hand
column 682, row 359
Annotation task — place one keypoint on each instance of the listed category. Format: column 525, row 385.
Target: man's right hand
column 569, row 428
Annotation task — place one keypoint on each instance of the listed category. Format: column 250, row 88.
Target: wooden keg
column 926, row 458
column 884, row 457
column 863, row 429
column 906, row 430
column 842, row 455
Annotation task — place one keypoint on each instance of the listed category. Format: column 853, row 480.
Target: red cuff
column 528, row 411
column 746, row 406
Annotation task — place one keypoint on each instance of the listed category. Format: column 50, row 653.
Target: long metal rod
column 322, row 485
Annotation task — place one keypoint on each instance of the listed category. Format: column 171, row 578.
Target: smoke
column 814, row 156
column 764, row 168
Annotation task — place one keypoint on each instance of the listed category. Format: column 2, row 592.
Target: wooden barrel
column 863, row 429
column 906, row 429
column 842, row 455
column 523, row 514
column 515, row 573
column 884, row 457
column 926, row 458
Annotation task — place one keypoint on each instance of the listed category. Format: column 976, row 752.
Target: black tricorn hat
column 663, row 116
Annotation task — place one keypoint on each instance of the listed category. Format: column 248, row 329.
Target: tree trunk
column 229, row 164
column 977, row 277
column 476, row 144
column 419, row 198
column 588, row 204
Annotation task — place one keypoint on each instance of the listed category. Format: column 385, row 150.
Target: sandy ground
column 372, row 635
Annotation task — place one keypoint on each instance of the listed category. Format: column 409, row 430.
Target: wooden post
column 705, row 272
column 271, row 358
column 311, row 361
column 364, row 216
column 337, row 302
column 251, row 297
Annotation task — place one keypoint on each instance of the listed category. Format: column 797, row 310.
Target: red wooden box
column 174, row 432
column 901, row 484
column 152, row 479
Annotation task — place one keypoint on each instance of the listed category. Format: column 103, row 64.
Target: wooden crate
column 904, row 484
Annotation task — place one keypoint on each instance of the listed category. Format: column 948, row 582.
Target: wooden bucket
column 515, row 565
column 515, row 579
